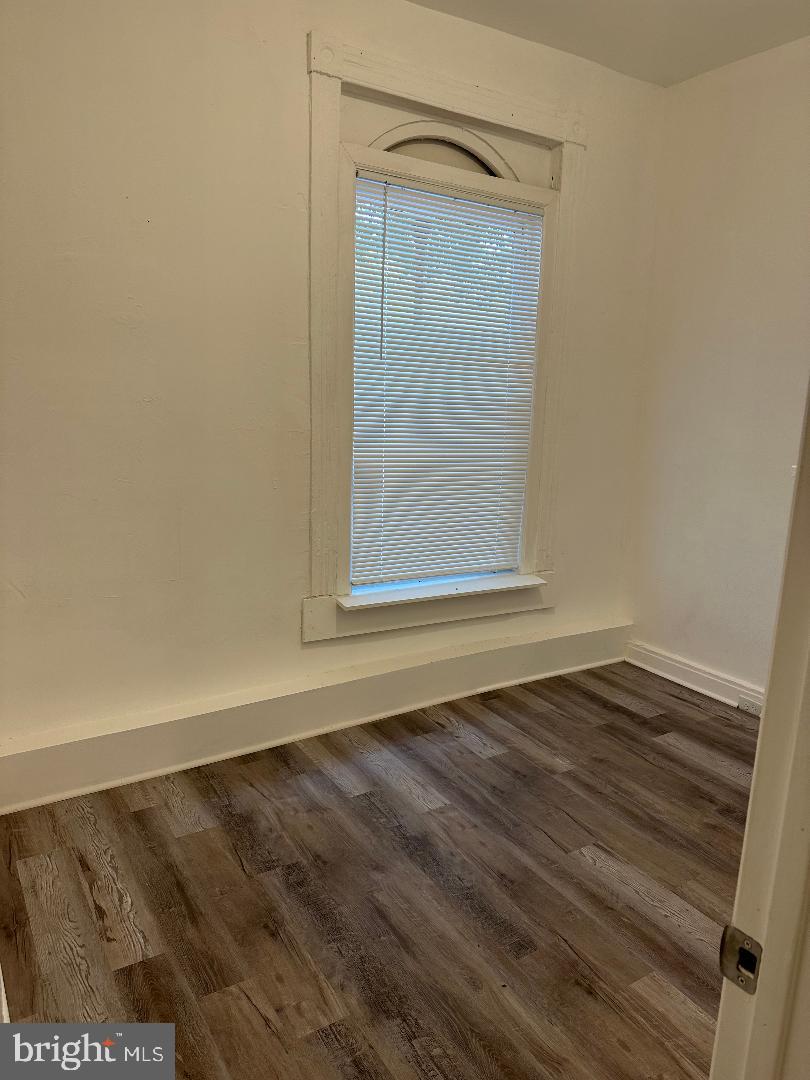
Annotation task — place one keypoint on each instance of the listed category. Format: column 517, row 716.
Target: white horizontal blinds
column 446, row 294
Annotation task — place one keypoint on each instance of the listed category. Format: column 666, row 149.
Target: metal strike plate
column 740, row 959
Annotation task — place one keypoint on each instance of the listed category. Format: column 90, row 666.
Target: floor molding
column 716, row 684
column 75, row 766
column 4, row 1014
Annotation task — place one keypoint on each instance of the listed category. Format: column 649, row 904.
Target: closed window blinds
column 446, row 295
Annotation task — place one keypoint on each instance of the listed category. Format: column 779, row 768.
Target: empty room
column 405, row 528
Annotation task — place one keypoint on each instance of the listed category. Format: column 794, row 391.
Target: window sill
column 486, row 583
column 327, row 617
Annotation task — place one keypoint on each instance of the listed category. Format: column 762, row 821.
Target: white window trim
column 334, row 167
column 466, row 586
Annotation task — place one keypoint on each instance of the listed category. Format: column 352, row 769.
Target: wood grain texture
column 521, row 885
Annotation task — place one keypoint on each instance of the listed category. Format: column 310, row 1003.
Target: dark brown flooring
column 525, row 884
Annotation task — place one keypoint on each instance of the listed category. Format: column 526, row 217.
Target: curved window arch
column 442, row 152
column 445, row 144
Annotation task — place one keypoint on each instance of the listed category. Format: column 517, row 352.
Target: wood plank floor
column 525, row 884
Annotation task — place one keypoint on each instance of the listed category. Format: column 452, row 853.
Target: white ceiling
column 662, row 41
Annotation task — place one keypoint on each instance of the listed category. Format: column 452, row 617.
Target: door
column 762, row 1036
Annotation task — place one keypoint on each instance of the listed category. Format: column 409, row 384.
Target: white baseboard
column 4, row 1016
column 705, row 680
column 90, row 762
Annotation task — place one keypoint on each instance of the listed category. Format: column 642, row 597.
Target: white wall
column 155, row 413
column 728, row 361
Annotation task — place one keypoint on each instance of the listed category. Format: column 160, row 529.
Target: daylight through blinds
column 446, row 295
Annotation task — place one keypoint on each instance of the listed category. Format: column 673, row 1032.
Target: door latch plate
column 740, row 959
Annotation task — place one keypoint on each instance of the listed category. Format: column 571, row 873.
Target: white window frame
column 331, row 610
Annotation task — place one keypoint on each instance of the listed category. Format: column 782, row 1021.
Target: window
column 445, row 327
column 434, row 386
